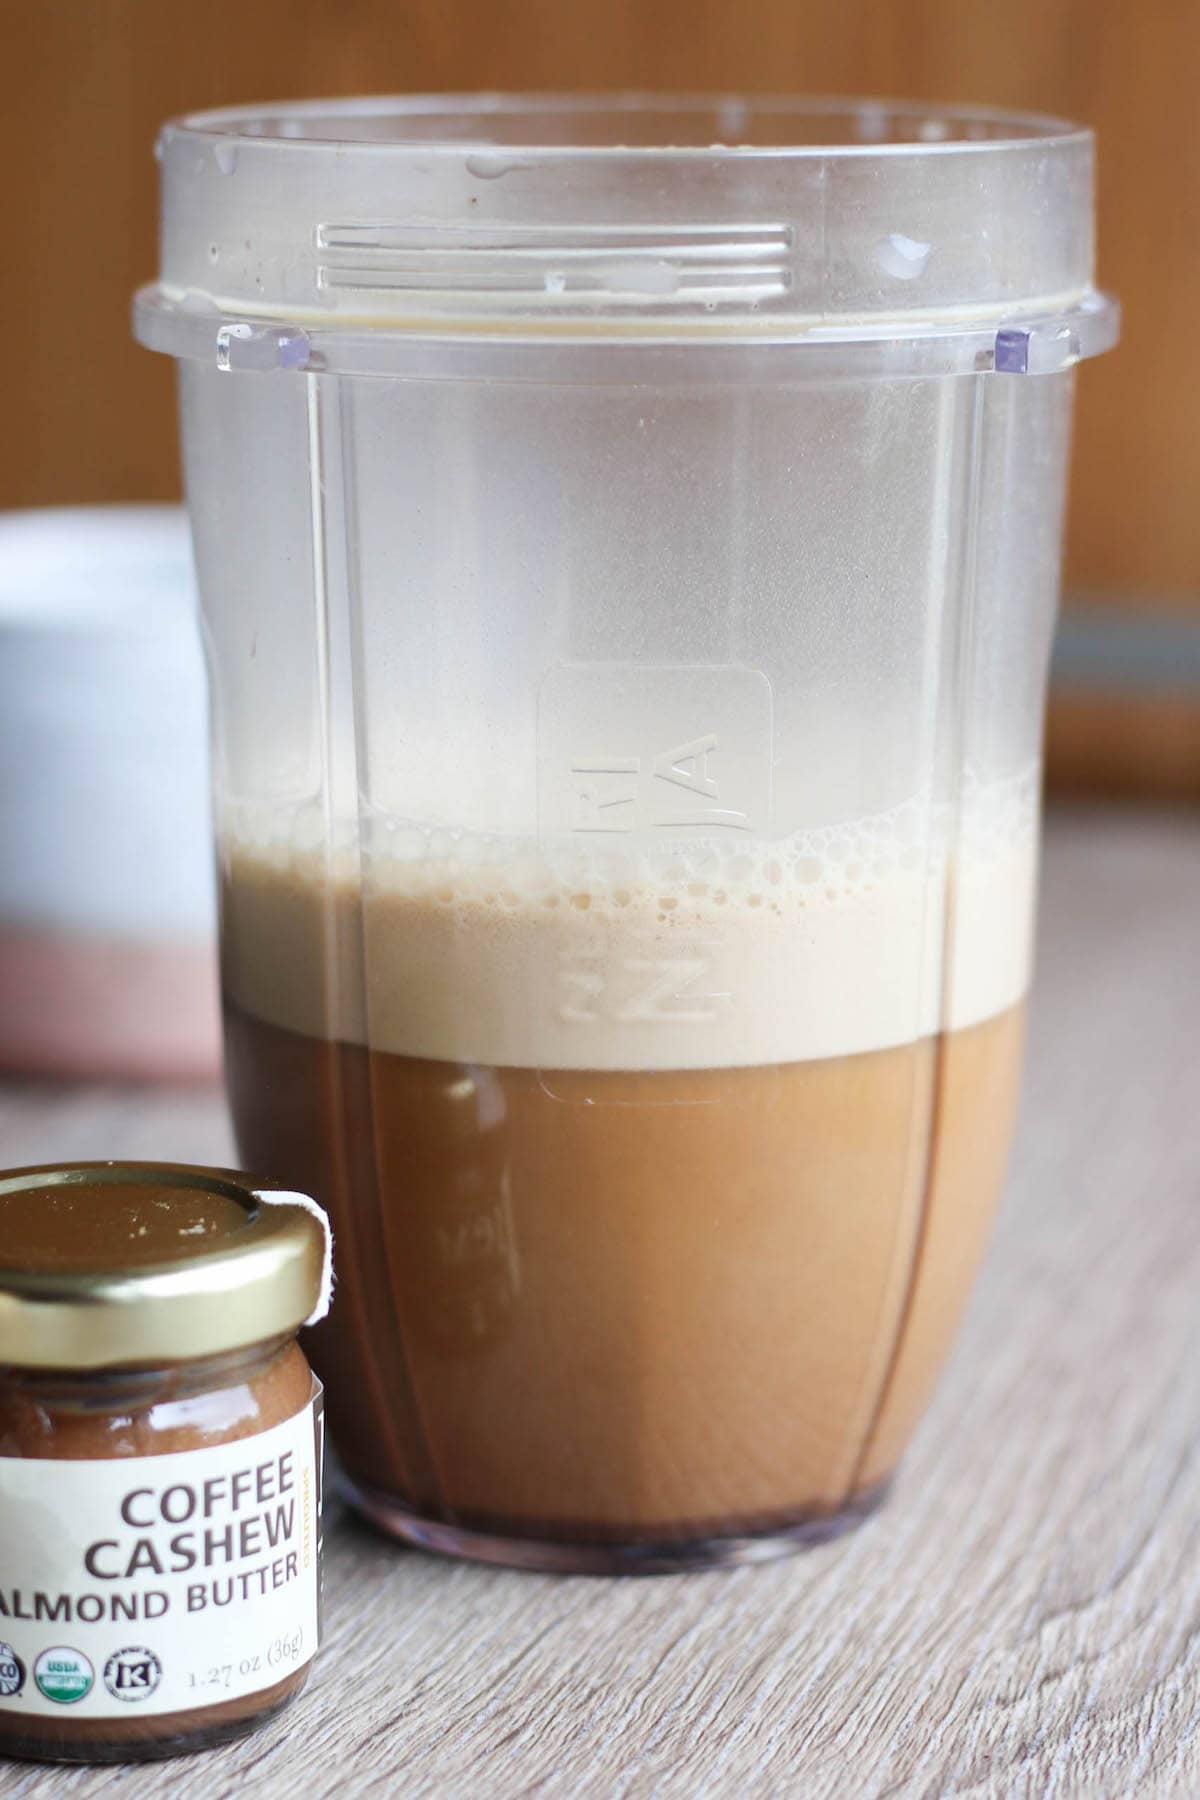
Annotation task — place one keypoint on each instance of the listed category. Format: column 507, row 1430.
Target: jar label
column 160, row 1584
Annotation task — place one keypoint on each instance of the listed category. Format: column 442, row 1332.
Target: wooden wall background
column 89, row 417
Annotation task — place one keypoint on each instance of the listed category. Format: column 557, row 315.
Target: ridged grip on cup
column 440, row 211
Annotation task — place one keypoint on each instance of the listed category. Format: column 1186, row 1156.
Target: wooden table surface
column 1023, row 1617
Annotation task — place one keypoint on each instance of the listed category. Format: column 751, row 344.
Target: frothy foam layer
column 847, row 939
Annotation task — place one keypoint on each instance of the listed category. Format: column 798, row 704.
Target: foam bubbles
column 842, row 938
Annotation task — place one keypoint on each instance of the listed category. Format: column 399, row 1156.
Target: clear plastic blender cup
column 628, row 536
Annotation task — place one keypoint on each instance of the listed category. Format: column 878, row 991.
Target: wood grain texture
column 1023, row 1617
column 89, row 416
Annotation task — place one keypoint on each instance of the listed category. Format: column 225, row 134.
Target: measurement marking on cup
column 628, row 749
column 658, row 989
column 613, row 796
column 596, row 806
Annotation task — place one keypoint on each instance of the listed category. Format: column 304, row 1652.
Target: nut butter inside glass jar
column 160, row 1457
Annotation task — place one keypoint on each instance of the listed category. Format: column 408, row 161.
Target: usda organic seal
column 63, row 1674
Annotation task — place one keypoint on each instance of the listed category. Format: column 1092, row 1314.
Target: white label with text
column 160, row 1583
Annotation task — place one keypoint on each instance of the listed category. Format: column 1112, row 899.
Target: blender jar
column 628, row 539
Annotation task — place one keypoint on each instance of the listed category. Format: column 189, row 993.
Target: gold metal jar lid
column 124, row 1265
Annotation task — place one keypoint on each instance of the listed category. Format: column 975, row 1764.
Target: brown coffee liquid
column 632, row 1307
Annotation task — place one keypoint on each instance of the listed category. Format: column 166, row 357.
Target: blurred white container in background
column 107, row 910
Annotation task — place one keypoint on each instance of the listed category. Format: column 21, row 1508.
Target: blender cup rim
column 334, row 236
column 931, row 126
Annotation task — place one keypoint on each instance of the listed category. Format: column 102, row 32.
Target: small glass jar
column 160, row 1457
